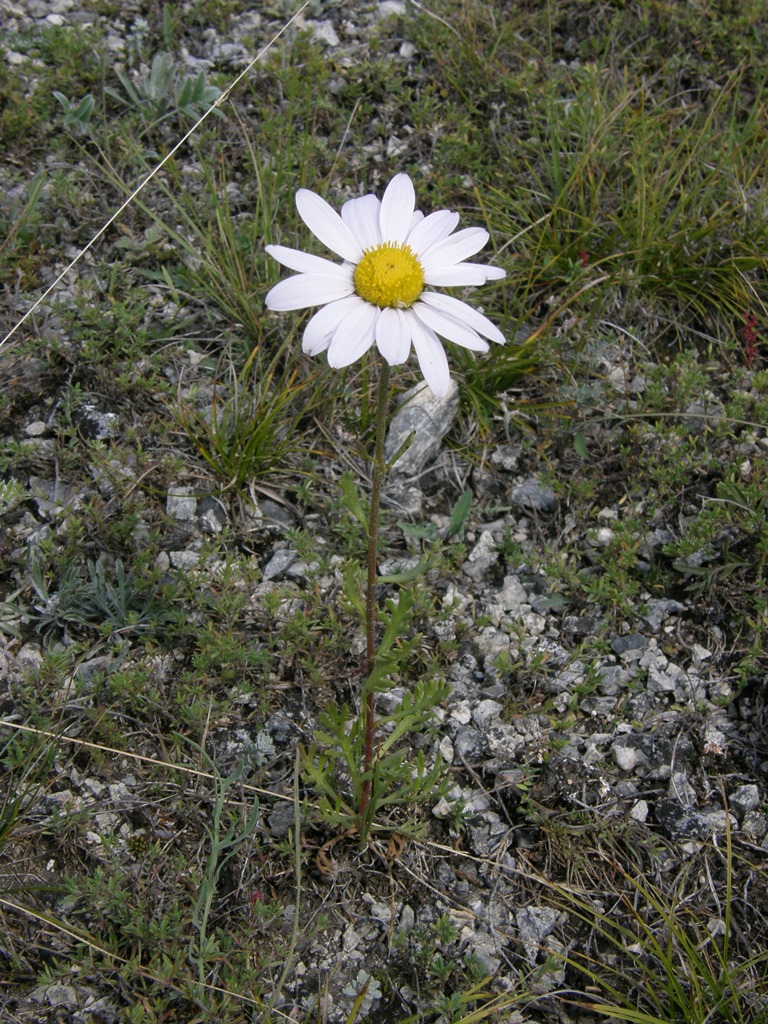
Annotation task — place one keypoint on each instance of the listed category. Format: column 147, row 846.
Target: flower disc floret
column 389, row 275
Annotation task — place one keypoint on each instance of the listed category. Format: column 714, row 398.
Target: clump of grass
column 671, row 952
column 628, row 192
column 248, row 433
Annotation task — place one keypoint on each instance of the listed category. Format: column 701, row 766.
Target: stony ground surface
column 585, row 735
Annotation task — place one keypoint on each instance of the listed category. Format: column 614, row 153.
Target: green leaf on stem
column 460, row 514
column 350, row 496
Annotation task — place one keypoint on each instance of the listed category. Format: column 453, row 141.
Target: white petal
column 431, row 356
column 353, row 336
column 463, row 312
column 417, row 218
column 322, row 326
column 492, row 273
column 432, row 229
column 461, row 274
column 397, row 205
column 295, row 259
column 449, row 327
column 393, row 336
column 304, row 290
column 455, row 249
column 323, row 221
column 362, row 218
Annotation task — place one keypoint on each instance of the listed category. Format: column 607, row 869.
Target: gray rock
column 755, row 826
column 281, row 820
column 507, row 457
column 628, row 753
column 613, row 679
column 639, row 811
column 659, row 610
column 94, row 668
column 513, row 597
column 407, row 918
column 484, row 555
column 95, row 424
column 211, row 515
column 534, row 924
column 531, row 493
column 567, row 677
column 279, row 563
column 181, row 504
column 582, row 625
column 184, row 559
column 677, row 821
column 681, row 790
column 629, row 647
column 744, row 800
column 280, row 727
column 486, row 713
column 429, row 419
column 491, row 642
column 504, row 744
column 469, row 744
column 484, row 948
column 57, row 994
column 323, row 32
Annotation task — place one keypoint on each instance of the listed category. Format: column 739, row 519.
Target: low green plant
column 164, row 91
column 20, row 252
column 365, row 991
column 335, row 764
column 94, row 596
column 227, row 832
column 77, row 115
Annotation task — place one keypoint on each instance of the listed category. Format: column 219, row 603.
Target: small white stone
column 601, row 537
column 184, row 559
column 513, row 597
column 181, row 503
column 640, row 811
column 462, row 713
column 323, row 32
column 442, row 808
column 446, row 749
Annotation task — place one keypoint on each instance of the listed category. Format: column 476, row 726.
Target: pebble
column 531, row 493
column 627, row 753
column 279, row 564
column 485, row 713
column 513, row 596
column 484, row 554
column 181, row 504
column 744, row 800
column 640, row 811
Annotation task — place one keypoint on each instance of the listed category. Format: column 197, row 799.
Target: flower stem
column 379, row 469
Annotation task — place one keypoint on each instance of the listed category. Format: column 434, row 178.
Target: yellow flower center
column 389, row 275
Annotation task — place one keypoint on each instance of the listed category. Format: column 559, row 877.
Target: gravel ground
column 562, row 754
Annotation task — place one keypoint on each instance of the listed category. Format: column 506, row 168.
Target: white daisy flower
column 392, row 256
